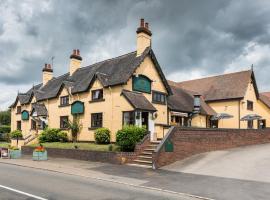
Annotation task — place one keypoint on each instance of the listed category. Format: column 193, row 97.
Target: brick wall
column 187, row 142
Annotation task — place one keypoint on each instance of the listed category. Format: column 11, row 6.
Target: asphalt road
column 27, row 183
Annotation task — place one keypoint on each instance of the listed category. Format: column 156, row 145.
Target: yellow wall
column 112, row 107
column 199, row 121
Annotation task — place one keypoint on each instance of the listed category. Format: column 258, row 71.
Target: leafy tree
column 5, row 117
column 75, row 126
column 17, row 134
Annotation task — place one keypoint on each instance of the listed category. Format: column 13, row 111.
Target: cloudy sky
column 191, row 38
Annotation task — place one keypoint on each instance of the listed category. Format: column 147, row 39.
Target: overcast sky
column 191, row 38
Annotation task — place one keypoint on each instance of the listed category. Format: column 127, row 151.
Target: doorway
column 261, row 124
column 145, row 120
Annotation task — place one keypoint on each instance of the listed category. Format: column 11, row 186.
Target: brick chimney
column 75, row 61
column 143, row 37
column 47, row 73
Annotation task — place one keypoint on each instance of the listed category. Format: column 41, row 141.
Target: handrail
column 161, row 144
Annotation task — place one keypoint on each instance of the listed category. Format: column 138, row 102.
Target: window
column 33, row 125
column 249, row 105
column 128, row 118
column 141, row 83
column 97, row 95
column 96, row 120
column 19, row 125
column 19, row 109
column 159, row 97
column 64, row 101
column 250, row 124
column 64, row 122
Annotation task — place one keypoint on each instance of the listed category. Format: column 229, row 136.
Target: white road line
column 21, row 192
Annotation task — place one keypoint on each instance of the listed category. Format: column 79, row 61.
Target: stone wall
column 187, row 142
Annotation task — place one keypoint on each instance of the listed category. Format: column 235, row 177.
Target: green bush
column 16, row 134
column 4, row 129
column 102, row 136
column 52, row 135
column 128, row 136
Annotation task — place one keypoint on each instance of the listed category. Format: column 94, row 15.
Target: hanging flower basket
column 40, row 153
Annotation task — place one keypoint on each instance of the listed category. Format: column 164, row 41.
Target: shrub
column 102, row 136
column 4, row 129
column 128, row 136
column 16, row 134
column 53, row 135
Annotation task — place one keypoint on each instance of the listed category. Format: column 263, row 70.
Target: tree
column 5, row 117
column 16, row 135
column 75, row 126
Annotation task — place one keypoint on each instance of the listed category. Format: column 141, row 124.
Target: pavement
column 241, row 174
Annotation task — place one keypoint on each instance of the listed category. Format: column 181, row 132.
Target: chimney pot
column 49, row 66
column 142, row 22
column 74, row 51
column 146, row 25
column 78, row 52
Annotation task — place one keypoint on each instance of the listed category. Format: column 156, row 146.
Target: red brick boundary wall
column 189, row 141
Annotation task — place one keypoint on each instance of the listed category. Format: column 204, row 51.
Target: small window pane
column 96, row 120
column 64, row 122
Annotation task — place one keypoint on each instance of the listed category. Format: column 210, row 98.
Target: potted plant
column 40, row 153
column 15, row 152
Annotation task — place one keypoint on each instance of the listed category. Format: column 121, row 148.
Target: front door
column 261, row 124
column 145, row 119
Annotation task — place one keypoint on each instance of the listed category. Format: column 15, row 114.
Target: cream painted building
column 129, row 89
column 233, row 99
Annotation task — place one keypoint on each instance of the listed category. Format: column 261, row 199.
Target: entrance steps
column 145, row 158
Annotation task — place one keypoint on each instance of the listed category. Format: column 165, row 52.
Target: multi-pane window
column 128, row 118
column 64, row 122
column 96, row 120
column 97, row 94
column 19, row 109
column 33, row 125
column 159, row 97
column 19, row 125
column 64, row 101
column 249, row 105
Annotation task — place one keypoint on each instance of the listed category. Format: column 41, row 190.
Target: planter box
column 14, row 154
column 40, row 155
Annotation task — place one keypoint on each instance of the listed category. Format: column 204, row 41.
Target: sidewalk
column 121, row 174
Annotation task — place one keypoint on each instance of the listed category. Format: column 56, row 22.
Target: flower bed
column 40, row 153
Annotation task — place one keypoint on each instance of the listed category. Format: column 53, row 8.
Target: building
column 129, row 89
column 227, row 101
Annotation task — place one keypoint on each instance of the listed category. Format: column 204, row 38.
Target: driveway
column 245, row 163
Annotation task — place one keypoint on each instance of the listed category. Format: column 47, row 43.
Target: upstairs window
column 19, row 109
column 97, row 95
column 158, row 97
column 64, row 101
column 96, row 120
column 141, row 83
column 250, row 105
column 64, row 122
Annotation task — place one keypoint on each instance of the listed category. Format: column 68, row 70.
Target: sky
column 191, row 38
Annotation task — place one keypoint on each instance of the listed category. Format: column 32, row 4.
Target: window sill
column 157, row 102
column 64, row 105
column 96, row 100
column 93, row 128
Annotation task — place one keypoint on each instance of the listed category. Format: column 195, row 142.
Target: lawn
column 4, row 144
column 82, row 145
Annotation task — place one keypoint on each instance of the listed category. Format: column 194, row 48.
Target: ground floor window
column 19, row 125
column 33, row 125
column 250, row 124
column 64, row 122
column 96, row 120
column 128, row 118
column 180, row 121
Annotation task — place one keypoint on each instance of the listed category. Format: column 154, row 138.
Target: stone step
column 145, row 157
column 150, row 149
column 146, row 153
column 145, row 162
column 155, row 142
column 139, row 165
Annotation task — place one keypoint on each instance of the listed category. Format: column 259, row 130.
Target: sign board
column 4, row 153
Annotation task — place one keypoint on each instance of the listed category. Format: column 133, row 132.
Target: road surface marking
column 21, row 192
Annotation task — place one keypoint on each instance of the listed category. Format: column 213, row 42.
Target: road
column 23, row 183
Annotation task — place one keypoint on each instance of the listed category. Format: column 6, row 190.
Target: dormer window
column 97, row 95
column 19, row 109
column 64, row 101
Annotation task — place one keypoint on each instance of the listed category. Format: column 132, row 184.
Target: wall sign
column 77, row 108
column 25, row 115
column 141, row 84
